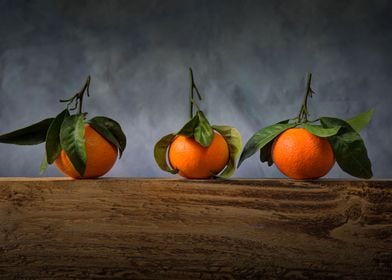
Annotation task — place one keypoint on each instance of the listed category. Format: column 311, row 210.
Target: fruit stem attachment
column 78, row 97
column 303, row 112
column 191, row 99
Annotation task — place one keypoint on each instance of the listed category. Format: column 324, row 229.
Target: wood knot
column 354, row 212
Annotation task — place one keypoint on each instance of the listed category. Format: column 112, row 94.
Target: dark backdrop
column 249, row 58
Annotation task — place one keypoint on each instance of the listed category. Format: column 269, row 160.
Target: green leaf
column 320, row 131
column 72, row 141
column 52, row 145
column 102, row 130
column 262, row 138
column 265, row 154
column 360, row 121
column 284, row 121
column 160, row 152
column 233, row 139
column 349, row 148
column 199, row 128
column 203, row 131
column 30, row 135
column 44, row 165
column 189, row 128
column 111, row 130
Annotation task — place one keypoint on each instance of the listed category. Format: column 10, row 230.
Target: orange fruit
column 101, row 156
column 299, row 154
column 194, row 161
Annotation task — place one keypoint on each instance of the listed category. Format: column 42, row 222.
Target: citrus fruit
column 194, row 161
column 101, row 156
column 299, row 154
column 79, row 148
column 199, row 150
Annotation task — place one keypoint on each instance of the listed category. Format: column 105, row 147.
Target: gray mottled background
column 249, row 58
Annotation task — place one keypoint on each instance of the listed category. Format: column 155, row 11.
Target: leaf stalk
column 304, row 112
column 193, row 88
column 77, row 99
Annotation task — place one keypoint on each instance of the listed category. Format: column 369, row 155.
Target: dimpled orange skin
column 299, row 154
column 101, row 156
column 195, row 161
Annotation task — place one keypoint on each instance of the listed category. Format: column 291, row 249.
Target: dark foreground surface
column 130, row 228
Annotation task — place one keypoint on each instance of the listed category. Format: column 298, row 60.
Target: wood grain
column 175, row 229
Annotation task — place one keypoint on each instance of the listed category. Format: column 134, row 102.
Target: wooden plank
column 176, row 229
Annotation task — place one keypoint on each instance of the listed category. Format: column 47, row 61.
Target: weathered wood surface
column 177, row 229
